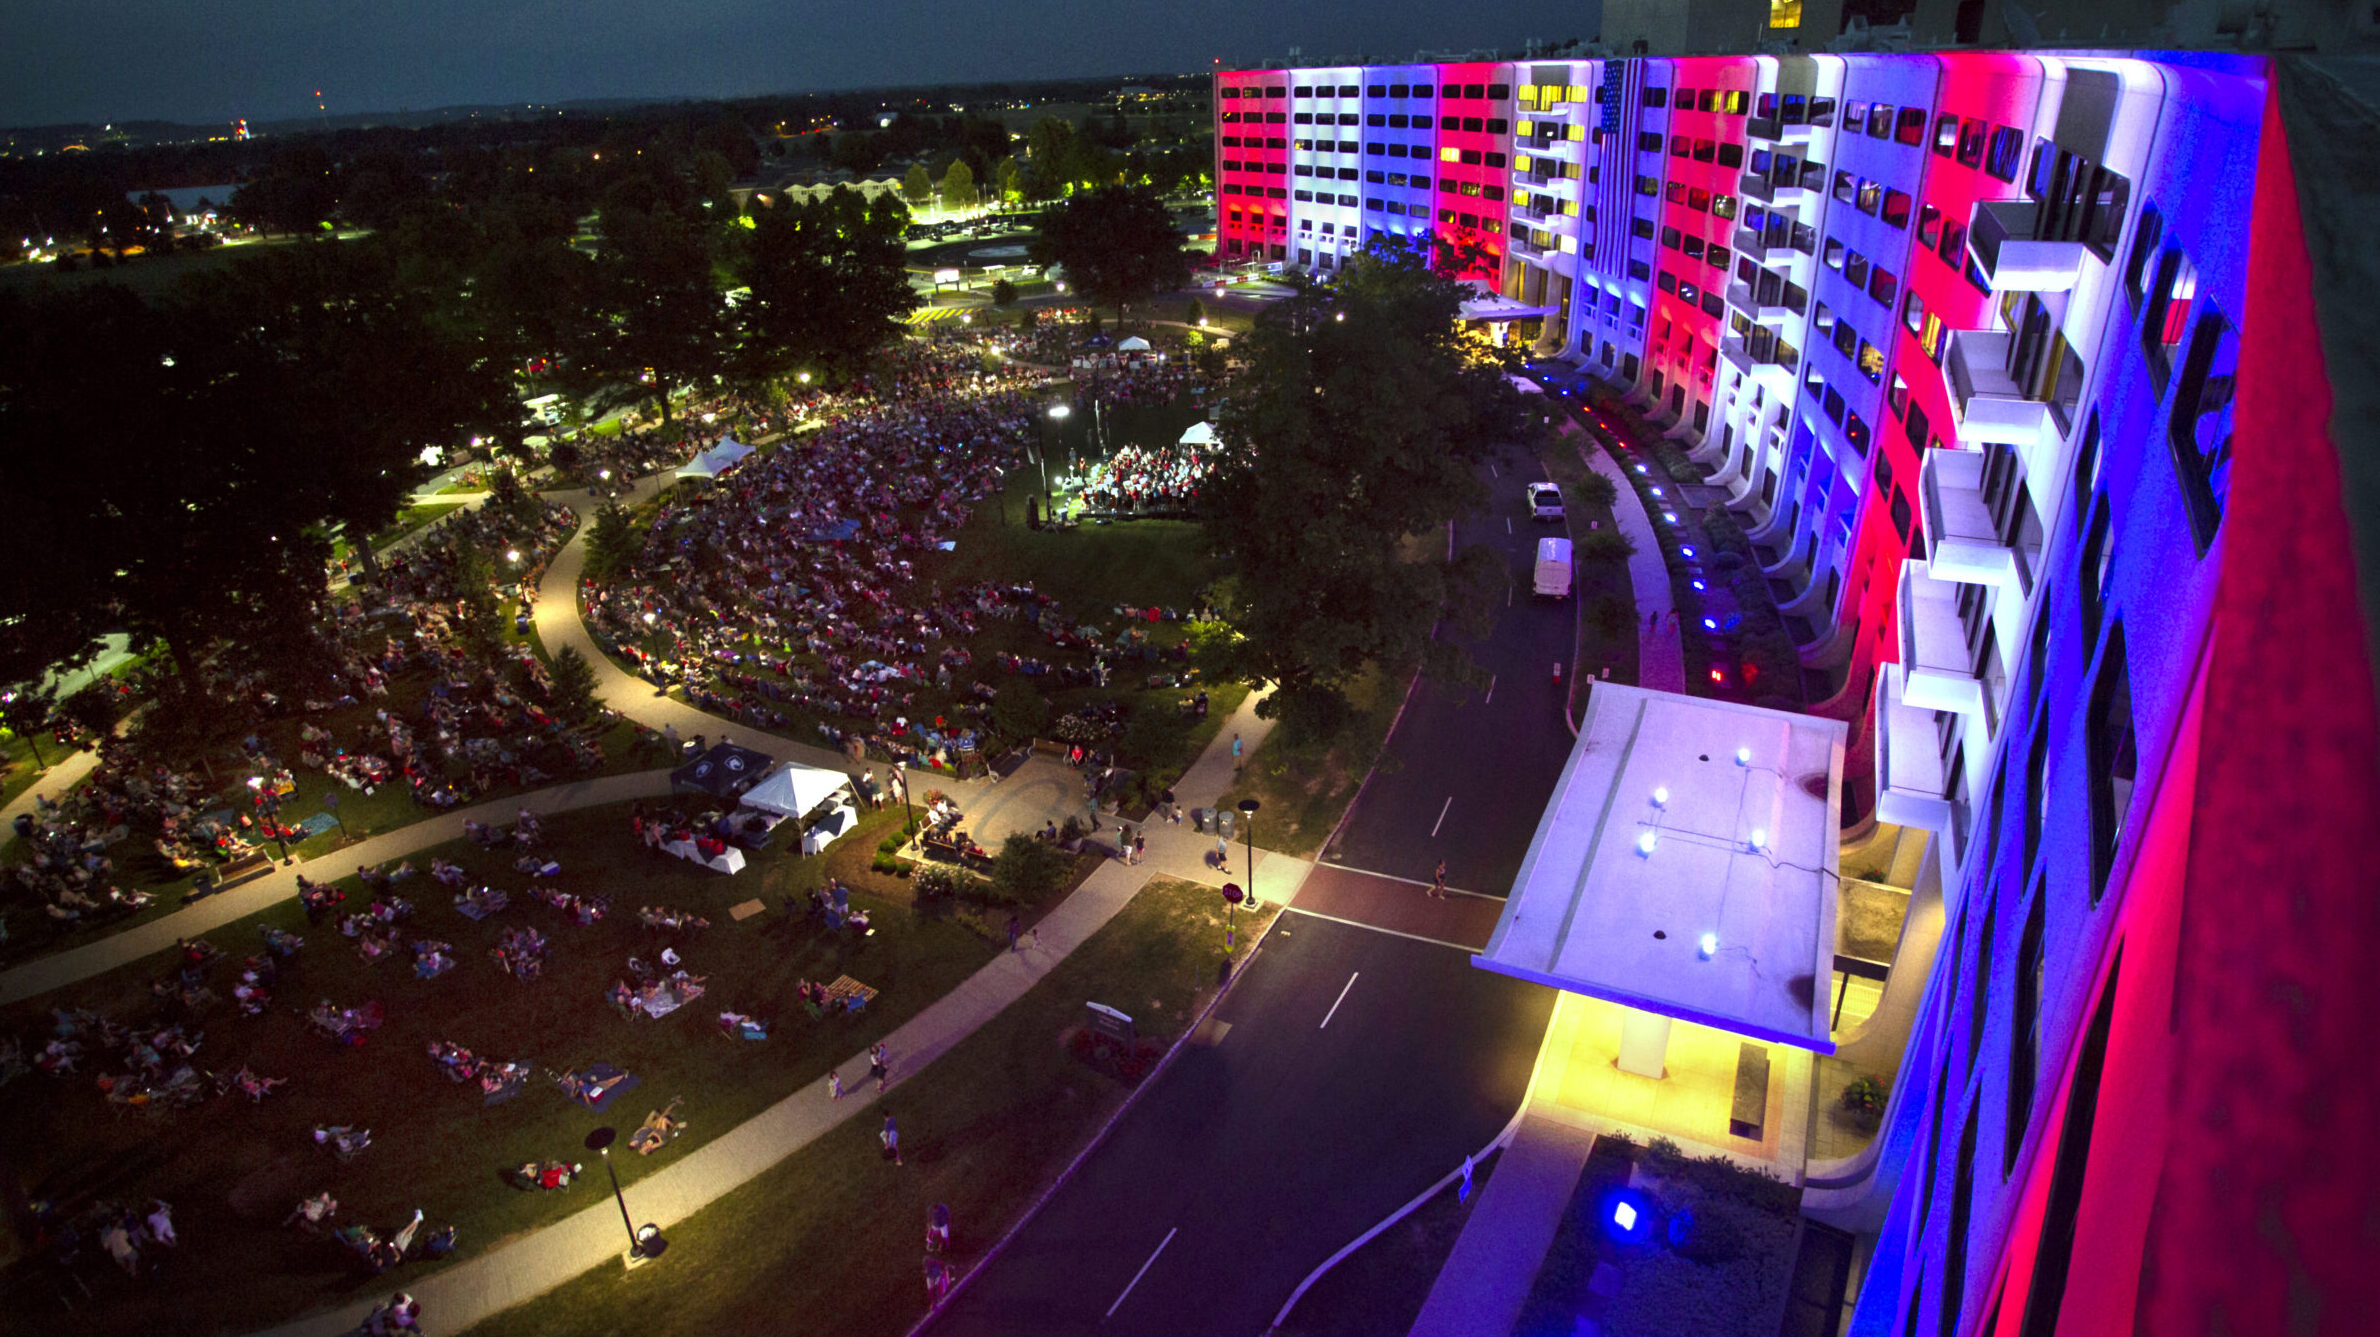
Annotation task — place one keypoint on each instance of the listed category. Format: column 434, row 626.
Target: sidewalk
column 1487, row 1279
column 54, row 783
column 1660, row 656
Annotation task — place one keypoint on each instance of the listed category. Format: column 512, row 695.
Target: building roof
column 1620, row 887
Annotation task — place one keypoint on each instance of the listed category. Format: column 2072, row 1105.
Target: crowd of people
column 1146, row 480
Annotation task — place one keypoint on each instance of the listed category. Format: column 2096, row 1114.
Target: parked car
column 1545, row 501
column 1551, row 578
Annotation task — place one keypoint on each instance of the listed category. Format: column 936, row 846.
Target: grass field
column 1306, row 788
column 232, row 1171
column 832, row 1233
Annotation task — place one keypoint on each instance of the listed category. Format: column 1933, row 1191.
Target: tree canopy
column 828, row 284
column 1358, row 421
column 1117, row 244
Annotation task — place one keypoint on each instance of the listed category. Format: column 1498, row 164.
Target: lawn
column 233, row 1171
column 1305, row 788
column 1380, row 1288
column 832, row 1233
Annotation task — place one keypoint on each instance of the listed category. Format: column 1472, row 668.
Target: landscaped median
column 831, row 1239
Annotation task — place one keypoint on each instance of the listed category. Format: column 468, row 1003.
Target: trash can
column 1224, row 820
column 1198, row 819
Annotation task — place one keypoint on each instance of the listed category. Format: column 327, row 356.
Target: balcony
column 1740, row 297
column 1991, row 405
column 1962, row 544
column 1937, row 668
column 1777, row 245
column 1912, row 781
column 2016, row 260
column 1762, row 360
column 1765, row 127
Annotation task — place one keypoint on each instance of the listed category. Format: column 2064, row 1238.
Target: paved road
column 1256, row 1158
column 1467, row 773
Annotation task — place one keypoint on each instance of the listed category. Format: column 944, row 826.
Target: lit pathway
column 1660, row 658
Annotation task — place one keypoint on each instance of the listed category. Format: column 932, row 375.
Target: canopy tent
column 715, row 461
column 1525, row 385
column 793, row 789
column 1135, row 344
column 723, row 772
column 1199, row 434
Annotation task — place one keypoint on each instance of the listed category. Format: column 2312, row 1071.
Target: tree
column 1342, row 436
column 1008, row 182
column 1197, row 312
column 958, row 186
column 1049, row 148
column 828, row 285
column 1117, row 244
column 1026, row 870
column 660, row 322
column 574, row 686
column 612, row 543
column 1003, row 294
column 296, row 192
column 918, row 186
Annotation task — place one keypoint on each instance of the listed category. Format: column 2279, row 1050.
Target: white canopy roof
column 1200, row 434
column 715, row 461
column 1657, row 835
column 1135, row 344
column 793, row 789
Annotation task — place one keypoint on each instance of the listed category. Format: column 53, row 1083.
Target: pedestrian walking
column 1235, row 754
column 1222, row 852
column 1438, row 881
column 1653, row 621
column 1014, row 928
column 879, row 1066
column 891, row 1138
column 1173, row 810
column 834, row 1084
column 1140, row 848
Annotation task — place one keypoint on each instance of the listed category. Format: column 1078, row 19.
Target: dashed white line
column 1492, row 470
column 1334, row 1007
column 1508, row 524
column 1144, row 1271
column 1441, row 816
column 1491, row 695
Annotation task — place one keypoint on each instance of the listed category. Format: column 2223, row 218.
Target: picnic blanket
column 514, row 1083
column 844, row 989
column 597, row 1085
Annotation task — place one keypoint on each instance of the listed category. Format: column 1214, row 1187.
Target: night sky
column 203, row 61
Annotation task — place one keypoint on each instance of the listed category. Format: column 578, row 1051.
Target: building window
column 2024, row 1036
column 1979, row 986
column 1946, row 134
column 2037, row 797
column 1784, row 13
column 2115, row 760
column 1912, row 126
column 1962, row 1208
column 2098, row 563
column 2199, row 429
column 2054, row 1248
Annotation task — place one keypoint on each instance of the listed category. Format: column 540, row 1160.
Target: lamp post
column 643, row 1245
column 1231, row 902
column 1248, row 807
column 1059, row 413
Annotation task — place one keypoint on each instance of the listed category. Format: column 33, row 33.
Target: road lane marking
column 1492, row 470
column 1491, row 696
column 1144, row 1271
column 1334, row 1007
column 1441, row 816
column 1508, row 524
column 1408, row 881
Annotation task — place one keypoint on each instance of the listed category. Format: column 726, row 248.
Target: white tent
column 715, row 461
column 1135, row 344
column 793, row 789
column 1200, row 434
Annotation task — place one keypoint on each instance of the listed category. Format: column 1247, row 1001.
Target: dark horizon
column 157, row 61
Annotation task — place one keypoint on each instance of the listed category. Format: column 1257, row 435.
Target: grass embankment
column 1381, row 1287
column 1609, row 621
column 1305, row 787
column 829, row 1239
column 232, row 1170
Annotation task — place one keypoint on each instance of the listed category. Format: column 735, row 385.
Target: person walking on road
column 879, row 1066
column 1438, row 881
column 834, row 1084
column 1014, row 928
column 891, row 1137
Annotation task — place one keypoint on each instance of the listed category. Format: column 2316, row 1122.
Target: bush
column 1864, row 1100
column 1026, row 870
column 1018, row 711
column 1604, row 545
column 1595, row 490
column 936, row 881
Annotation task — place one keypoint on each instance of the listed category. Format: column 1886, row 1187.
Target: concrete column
column 1644, row 1043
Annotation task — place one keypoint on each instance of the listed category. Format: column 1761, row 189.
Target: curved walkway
column 1660, row 656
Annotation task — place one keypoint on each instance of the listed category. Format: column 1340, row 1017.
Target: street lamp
column 645, row 1244
column 1248, row 807
column 1231, row 902
column 1059, row 413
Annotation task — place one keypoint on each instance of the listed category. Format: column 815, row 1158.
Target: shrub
column 1018, row 711
column 1864, row 1099
column 1604, row 545
column 1026, row 870
column 935, row 881
column 1595, row 490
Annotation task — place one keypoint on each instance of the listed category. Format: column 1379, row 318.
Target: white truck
column 1553, row 569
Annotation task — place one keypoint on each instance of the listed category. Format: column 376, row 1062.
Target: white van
column 1553, row 568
